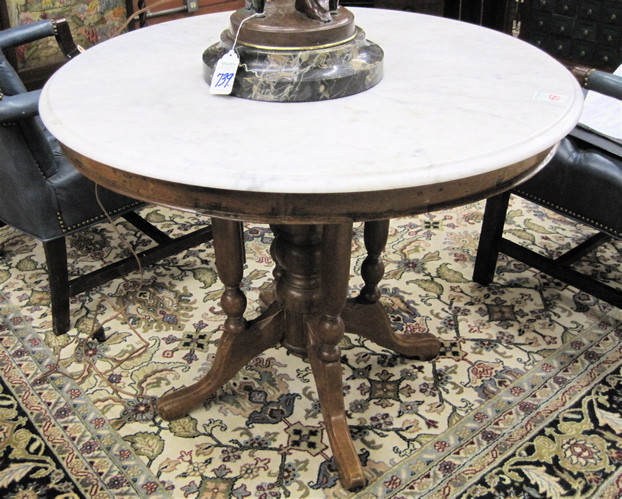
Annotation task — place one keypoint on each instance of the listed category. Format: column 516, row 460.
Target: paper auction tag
column 561, row 99
column 224, row 74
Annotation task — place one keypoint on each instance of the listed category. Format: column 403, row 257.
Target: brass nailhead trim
column 587, row 76
column 571, row 213
column 87, row 222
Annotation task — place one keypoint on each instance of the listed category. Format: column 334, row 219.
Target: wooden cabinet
column 586, row 32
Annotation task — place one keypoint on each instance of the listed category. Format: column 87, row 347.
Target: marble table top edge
column 277, row 159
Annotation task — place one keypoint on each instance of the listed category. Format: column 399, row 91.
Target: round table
column 461, row 114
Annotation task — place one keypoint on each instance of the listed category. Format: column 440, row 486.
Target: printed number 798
column 223, row 79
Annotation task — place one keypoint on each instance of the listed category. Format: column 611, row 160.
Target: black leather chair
column 43, row 195
column 583, row 182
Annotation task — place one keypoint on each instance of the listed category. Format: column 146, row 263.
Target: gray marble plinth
column 301, row 75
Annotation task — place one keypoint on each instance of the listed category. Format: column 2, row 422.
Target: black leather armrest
column 14, row 37
column 59, row 28
column 19, row 106
column 599, row 81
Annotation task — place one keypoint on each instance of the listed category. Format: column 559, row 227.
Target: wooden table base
column 309, row 317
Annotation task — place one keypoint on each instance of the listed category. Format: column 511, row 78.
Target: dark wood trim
column 266, row 207
column 563, row 273
column 130, row 264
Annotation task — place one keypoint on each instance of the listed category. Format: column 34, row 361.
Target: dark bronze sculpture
column 313, row 9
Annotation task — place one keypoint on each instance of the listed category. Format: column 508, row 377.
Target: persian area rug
column 524, row 401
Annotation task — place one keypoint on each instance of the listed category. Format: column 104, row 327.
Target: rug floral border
column 453, row 464
column 102, row 463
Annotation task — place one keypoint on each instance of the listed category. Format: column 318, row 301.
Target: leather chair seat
column 582, row 182
column 49, row 207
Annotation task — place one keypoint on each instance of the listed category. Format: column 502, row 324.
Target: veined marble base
column 316, row 74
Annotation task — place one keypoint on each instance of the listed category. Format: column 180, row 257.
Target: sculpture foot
column 313, row 10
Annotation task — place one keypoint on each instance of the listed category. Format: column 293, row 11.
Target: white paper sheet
column 603, row 114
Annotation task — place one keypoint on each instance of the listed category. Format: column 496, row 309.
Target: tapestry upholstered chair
column 583, row 182
column 44, row 196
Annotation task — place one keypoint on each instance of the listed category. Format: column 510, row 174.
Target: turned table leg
column 240, row 342
column 364, row 315
column 375, row 238
column 325, row 331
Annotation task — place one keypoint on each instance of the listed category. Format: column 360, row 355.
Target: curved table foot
column 372, row 322
column 327, row 377
column 235, row 350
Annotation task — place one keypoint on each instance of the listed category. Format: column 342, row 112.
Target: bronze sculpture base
column 282, row 27
column 287, row 57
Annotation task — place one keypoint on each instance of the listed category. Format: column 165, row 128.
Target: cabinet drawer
column 605, row 57
column 541, row 21
column 584, row 30
column 562, row 25
column 558, row 47
column 565, row 7
column 583, row 52
column 609, row 36
column 544, row 5
column 589, row 9
column 611, row 13
column 540, row 40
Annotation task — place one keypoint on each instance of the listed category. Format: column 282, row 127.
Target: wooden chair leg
column 56, row 257
column 491, row 233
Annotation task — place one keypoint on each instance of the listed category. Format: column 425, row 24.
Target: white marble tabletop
column 456, row 100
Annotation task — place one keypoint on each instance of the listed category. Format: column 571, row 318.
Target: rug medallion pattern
column 523, row 401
